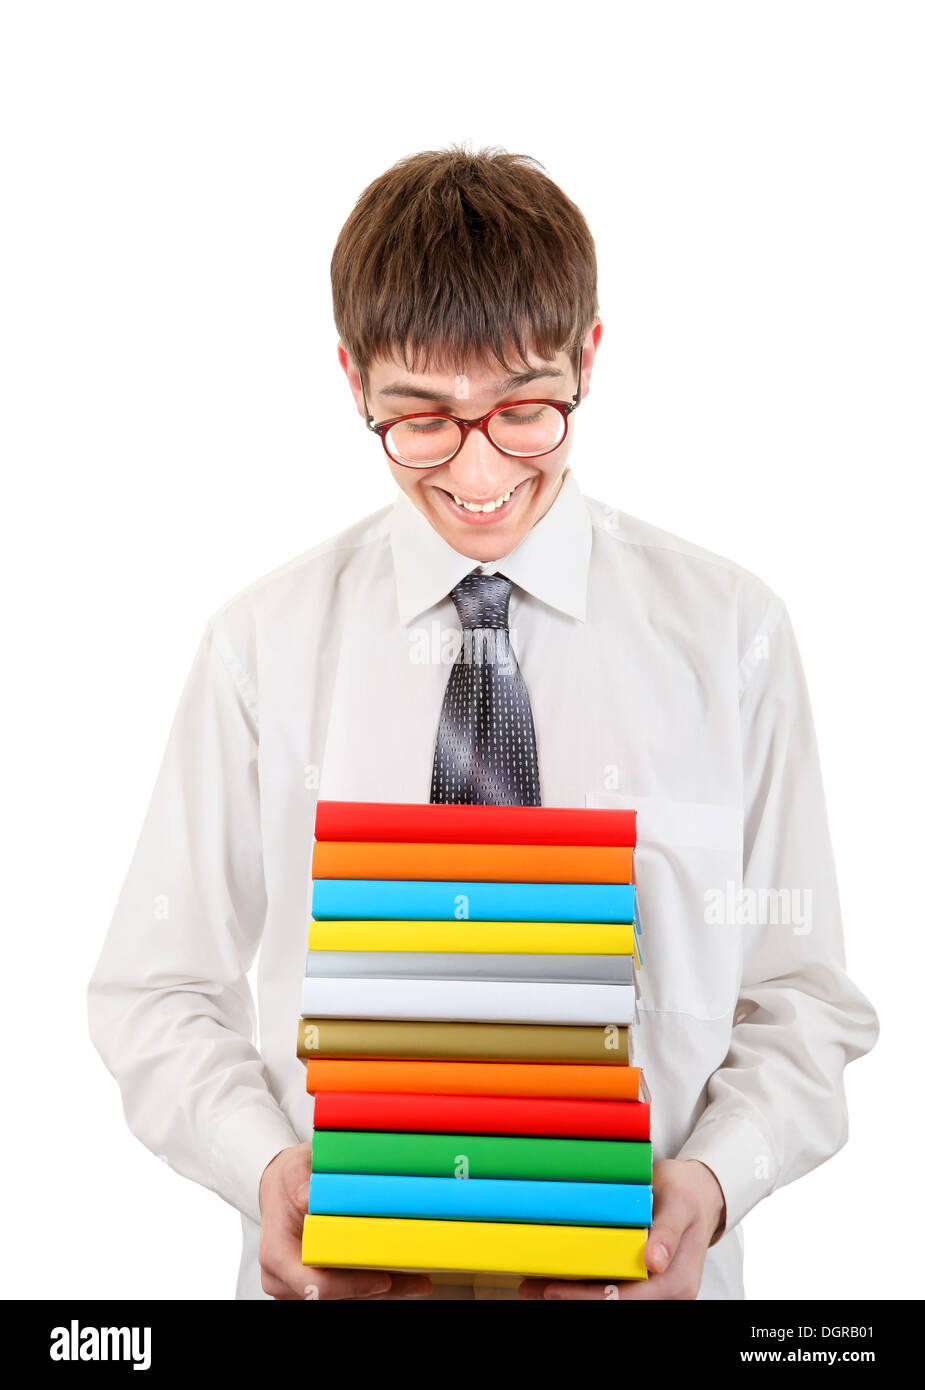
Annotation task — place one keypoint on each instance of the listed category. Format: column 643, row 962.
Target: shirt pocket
column 688, row 862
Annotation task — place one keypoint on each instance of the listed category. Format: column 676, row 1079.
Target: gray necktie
column 486, row 745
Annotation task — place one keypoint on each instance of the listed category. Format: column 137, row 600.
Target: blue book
column 432, row 900
column 481, row 1199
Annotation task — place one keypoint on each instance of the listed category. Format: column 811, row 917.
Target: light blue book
column 481, row 1199
column 430, row 900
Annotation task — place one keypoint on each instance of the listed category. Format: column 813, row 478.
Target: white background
column 174, row 424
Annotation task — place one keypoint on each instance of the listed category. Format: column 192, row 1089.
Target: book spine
column 489, row 1001
column 519, row 825
column 480, row 1199
column 481, row 1156
column 484, row 938
column 487, row 1042
column 543, row 1117
column 486, row 863
column 474, row 901
column 471, row 965
column 474, row 1078
column 576, row 1252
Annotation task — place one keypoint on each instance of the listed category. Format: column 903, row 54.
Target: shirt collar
column 551, row 562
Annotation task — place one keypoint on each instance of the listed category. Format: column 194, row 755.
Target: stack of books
column 467, row 1012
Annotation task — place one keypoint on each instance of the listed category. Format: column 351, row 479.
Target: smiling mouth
column 494, row 508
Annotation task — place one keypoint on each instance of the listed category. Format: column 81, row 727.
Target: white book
column 472, row 965
column 474, row 1001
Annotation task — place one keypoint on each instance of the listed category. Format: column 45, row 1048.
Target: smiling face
column 482, row 502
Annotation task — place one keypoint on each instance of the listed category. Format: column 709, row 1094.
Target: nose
column 479, row 472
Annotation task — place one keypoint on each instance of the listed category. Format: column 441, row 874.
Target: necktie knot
column 482, row 600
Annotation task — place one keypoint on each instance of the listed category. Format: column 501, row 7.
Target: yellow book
column 511, row 1249
column 504, row 938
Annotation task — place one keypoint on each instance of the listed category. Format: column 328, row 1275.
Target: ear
column 588, row 354
column 353, row 377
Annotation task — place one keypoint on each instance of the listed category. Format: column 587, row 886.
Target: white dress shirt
column 662, row 677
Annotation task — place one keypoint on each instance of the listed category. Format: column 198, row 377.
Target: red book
column 501, row 825
column 451, row 1114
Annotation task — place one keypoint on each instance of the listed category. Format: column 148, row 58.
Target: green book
column 481, row 1156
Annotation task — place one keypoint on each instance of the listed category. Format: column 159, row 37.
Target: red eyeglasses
column 520, row 429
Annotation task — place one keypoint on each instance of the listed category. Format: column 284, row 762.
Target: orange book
column 483, row 863
column 568, row 1081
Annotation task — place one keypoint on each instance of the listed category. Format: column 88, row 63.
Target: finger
column 681, row 1280
column 373, row 1284
column 645, row 1290
column 403, row 1286
column 672, row 1217
column 295, row 1178
column 325, row 1285
column 283, row 1275
column 275, row 1287
column 531, row 1288
column 299, row 1196
column 573, row 1290
column 281, row 1263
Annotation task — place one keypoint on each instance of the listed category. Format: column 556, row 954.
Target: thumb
column 297, row 1170
column 299, row 1197
column 671, row 1219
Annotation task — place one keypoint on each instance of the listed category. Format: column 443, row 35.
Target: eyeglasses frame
column 565, row 408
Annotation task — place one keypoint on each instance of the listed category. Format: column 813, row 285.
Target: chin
column 482, row 545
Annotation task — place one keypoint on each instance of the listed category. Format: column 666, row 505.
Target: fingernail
column 380, row 1286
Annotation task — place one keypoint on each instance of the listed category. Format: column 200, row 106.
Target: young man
column 641, row 671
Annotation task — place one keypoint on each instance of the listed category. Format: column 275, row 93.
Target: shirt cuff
column 739, row 1157
column 243, row 1146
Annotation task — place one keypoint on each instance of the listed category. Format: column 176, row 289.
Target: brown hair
column 452, row 256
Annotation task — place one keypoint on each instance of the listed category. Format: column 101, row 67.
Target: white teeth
column 482, row 507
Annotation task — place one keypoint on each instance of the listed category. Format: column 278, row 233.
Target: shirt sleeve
column 170, row 1009
column 776, row 1107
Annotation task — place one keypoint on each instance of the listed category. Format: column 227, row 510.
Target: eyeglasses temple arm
column 576, row 399
column 369, row 418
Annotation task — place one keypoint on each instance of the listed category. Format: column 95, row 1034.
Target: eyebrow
column 407, row 390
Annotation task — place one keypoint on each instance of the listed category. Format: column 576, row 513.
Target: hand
column 283, row 1203
column 689, row 1213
